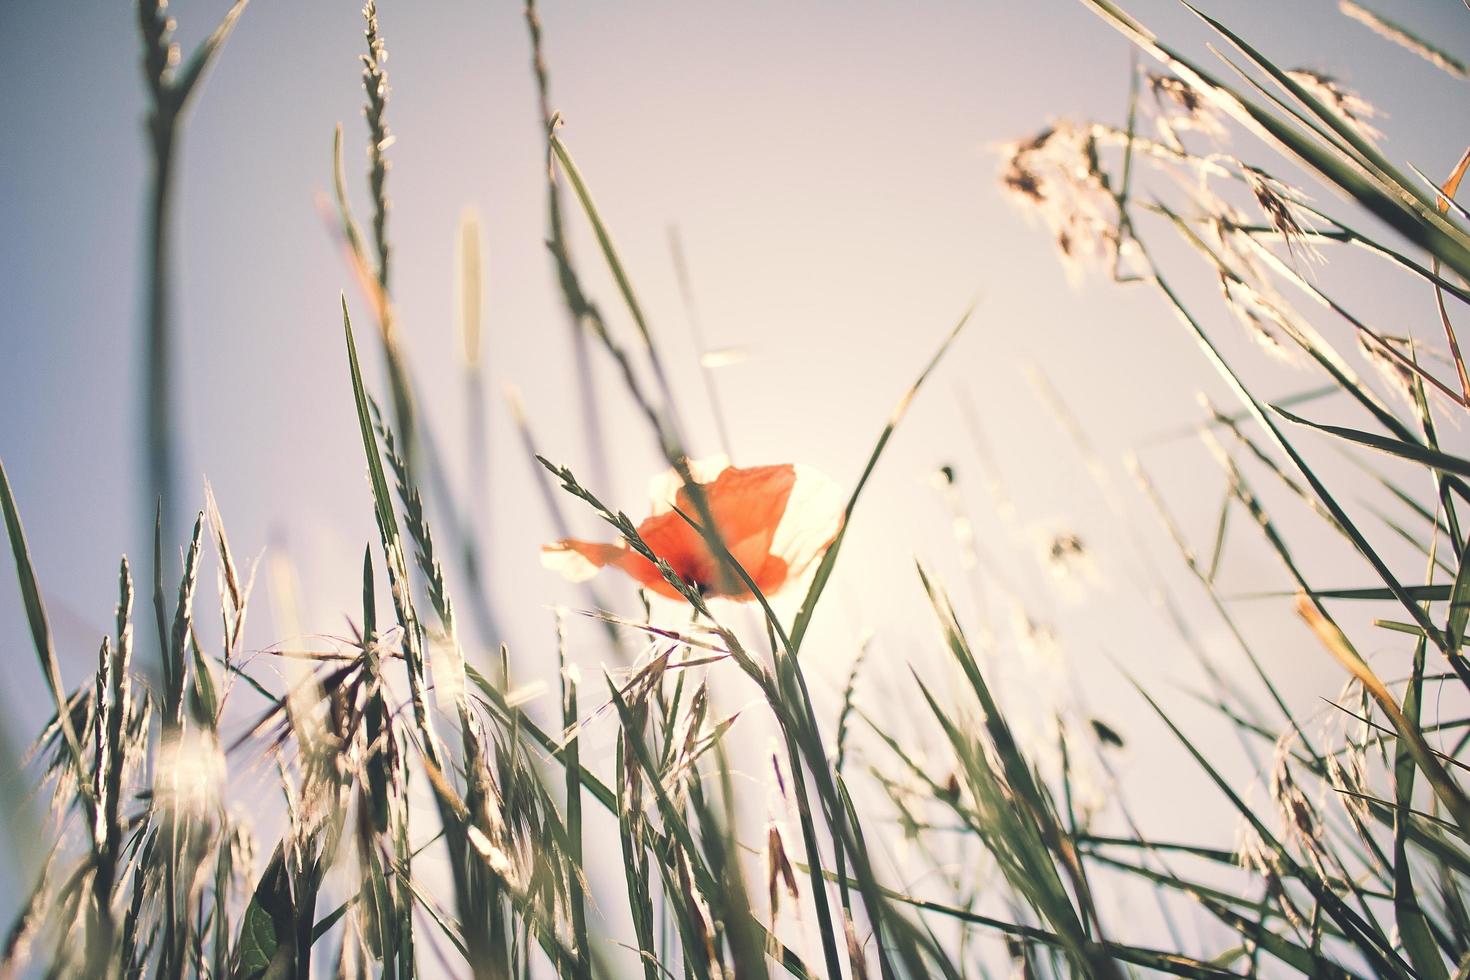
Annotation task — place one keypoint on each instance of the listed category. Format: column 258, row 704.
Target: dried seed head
column 1180, row 106
column 1066, row 548
column 1283, row 208
column 1352, row 107
column 1252, row 853
column 778, row 870
column 1397, row 35
column 1023, row 183
column 1348, row 775
column 1262, row 316
column 495, row 856
column 1055, row 174
column 1300, row 823
column 1106, row 734
column 1399, row 377
column 1224, row 222
column 1178, row 91
column 1068, row 561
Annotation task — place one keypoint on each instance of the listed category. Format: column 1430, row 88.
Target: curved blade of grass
column 188, row 79
column 1398, row 206
column 1375, row 947
column 1156, row 959
column 1419, row 593
column 1394, row 447
column 1308, row 961
column 1450, row 187
column 40, row 627
column 829, row 560
column 1257, row 411
column 1412, row 924
column 382, row 497
column 1343, row 131
column 1394, row 184
column 620, row 276
column 393, row 550
column 604, row 238
column 1336, row 642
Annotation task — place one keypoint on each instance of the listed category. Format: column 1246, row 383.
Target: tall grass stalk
column 171, row 85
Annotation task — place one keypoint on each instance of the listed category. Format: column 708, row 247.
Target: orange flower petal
column 577, row 561
column 774, row 521
column 664, row 489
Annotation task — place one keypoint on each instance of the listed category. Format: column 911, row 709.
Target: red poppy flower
column 774, row 520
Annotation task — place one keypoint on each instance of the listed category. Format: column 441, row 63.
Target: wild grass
column 431, row 816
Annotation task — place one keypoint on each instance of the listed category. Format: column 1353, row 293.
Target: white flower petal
column 663, row 488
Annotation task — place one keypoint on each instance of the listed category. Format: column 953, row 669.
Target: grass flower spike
column 774, row 520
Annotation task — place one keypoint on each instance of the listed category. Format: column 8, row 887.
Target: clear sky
column 831, row 170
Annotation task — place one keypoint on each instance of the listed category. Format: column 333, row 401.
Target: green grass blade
column 188, row 79
column 1399, row 207
column 1459, row 597
column 393, row 547
column 572, row 764
column 1373, row 945
column 1394, row 447
column 1412, row 924
column 40, row 627
column 829, row 560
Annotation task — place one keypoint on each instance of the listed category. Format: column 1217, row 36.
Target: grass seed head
column 1282, row 207
column 1179, row 107
column 1262, row 319
column 1056, row 176
column 1352, row 107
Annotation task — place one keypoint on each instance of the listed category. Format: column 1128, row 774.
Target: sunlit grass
column 691, row 810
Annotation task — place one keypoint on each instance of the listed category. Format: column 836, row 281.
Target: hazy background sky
column 831, row 169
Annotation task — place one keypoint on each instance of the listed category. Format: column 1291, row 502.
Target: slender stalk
column 158, row 348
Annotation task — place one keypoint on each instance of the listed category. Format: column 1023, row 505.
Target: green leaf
column 265, row 950
column 1394, row 447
